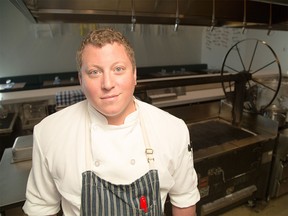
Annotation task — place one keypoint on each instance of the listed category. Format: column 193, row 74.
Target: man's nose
column 107, row 82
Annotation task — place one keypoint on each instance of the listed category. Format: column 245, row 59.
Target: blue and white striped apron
column 102, row 198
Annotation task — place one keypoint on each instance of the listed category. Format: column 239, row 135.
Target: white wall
column 278, row 41
column 27, row 48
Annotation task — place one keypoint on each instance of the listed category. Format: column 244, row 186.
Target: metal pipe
column 133, row 19
column 177, row 21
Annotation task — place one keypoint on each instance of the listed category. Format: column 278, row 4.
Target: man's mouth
column 109, row 97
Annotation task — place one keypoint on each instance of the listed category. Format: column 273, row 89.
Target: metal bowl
column 277, row 114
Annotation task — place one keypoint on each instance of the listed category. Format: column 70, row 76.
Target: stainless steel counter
column 13, row 180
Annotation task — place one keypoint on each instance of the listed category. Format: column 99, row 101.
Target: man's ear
column 135, row 77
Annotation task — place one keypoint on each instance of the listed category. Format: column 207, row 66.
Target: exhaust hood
column 279, row 2
column 253, row 13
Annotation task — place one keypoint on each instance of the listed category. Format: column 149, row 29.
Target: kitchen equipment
column 3, row 111
column 7, row 131
column 22, row 148
column 7, row 123
column 284, row 102
column 32, row 113
column 232, row 149
column 233, row 163
column 162, row 12
column 279, row 176
column 277, row 114
column 259, row 75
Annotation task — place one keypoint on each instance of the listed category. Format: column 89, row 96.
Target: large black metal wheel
column 257, row 60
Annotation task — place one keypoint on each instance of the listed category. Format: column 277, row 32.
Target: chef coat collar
column 98, row 118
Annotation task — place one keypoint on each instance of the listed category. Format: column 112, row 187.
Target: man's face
column 108, row 81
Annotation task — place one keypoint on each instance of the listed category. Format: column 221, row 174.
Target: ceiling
column 256, row 14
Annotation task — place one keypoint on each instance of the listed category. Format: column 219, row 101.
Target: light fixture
column 177, row 21
column 270, row 21
column 213, row 21
column 244, row 17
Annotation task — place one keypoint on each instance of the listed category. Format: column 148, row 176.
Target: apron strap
column 88, row 141
column 149, row 151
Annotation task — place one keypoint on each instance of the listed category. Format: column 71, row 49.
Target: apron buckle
column 149, row 153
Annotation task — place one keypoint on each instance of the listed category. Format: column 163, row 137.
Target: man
column 110, row 154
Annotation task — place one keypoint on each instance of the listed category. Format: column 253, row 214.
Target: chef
column 110, row 154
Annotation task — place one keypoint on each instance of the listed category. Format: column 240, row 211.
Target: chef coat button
column 97, row 163
column 132, row 161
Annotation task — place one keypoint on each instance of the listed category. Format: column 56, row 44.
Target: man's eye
column 94, row 72
column 119, row 69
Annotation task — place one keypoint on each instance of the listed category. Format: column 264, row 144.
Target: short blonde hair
column 101, row 37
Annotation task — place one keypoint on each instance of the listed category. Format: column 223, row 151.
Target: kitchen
column 25, row 47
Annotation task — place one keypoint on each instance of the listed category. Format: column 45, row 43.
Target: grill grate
column 210, row 133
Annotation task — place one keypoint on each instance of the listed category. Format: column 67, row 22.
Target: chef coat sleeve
column 184, row 192
column 42, row 196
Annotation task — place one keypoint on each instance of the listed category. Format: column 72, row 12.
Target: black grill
column 210, row 133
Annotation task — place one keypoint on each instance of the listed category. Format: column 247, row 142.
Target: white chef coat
column 118, row 156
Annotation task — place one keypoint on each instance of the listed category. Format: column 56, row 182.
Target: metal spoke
column 266, row 86
column 227, row 85
column 264, row 67
column 231, row 84
column 232, row 68
column 256, row 45
column 240, row 57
